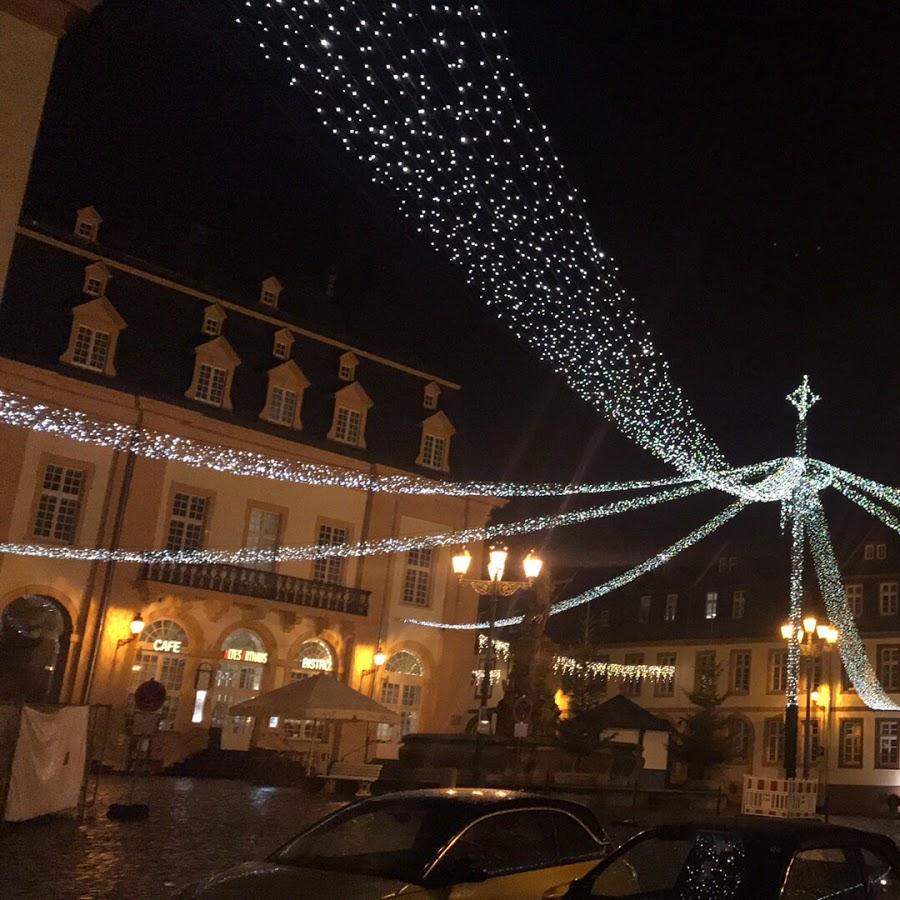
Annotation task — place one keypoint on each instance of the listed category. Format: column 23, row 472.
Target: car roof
column 468, row 803
column 792, row 832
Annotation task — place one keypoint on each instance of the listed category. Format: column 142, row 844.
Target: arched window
column 238, row 678
column 405, row 663
column 401, row 690
column 34, row 643
column 313, row 658
column 160, row 657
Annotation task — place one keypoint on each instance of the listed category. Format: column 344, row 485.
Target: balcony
column 265, row 585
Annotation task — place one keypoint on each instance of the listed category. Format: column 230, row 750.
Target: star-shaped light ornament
column 803, row 398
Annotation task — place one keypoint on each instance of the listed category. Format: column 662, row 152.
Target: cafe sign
column 251, row 656
column 161, row 646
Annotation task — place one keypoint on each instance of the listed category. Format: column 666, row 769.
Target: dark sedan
column 747, row 858
column 449, row 843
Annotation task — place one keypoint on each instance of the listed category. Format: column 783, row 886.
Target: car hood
column 270, row 880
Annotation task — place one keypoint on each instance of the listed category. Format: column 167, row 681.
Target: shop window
column 315, row 657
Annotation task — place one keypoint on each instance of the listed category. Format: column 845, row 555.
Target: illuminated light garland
column 23, row 412
column 882, row 491
column 426, row 97
column 869, row 506
column 619, row 581
column 567, row 665
column 246, row 555
column 853, row 651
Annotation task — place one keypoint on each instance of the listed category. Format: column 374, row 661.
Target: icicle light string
column 614, row 583
column 426, row 97
column 247, row 555
column 853, row 651
column 21, row 411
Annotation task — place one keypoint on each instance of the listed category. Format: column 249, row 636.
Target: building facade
column 727, row 619
column 120, row 341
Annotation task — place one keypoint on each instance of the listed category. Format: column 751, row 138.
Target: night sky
column 740, row 163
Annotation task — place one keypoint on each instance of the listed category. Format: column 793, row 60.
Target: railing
column 258, row 583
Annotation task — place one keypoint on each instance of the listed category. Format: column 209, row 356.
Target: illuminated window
column 671, row 607
column 631, row 687
column 854, row 595
column 664, row 687
column 159, row 657
column 405, row 663
column 402, row 691
column 850, row 744
column 330, row 568
column 712, row 602
column 889, row 668
column 418, row 576
column 59, row 503
column 887, row 743
column 91, row 350
column 186, row 522
column 313, row 658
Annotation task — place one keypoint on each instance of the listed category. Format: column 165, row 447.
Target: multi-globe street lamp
column 814, row 639
column 493, row 587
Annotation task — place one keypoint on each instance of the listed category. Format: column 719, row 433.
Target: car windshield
column 393, row 839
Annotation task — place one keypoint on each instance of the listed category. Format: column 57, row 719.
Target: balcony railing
column 258, row 583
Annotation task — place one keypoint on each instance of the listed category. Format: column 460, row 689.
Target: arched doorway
column 401, row 690
column 238, row 678
column 34, row 645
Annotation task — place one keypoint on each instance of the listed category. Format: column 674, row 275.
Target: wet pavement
column 196, row 827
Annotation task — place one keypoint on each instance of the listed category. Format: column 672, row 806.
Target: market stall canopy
column 624, row 714
column 321, row 698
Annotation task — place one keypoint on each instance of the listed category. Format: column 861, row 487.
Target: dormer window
column 270, row 292
column 284, row 397
column 347, row 367
column 213, row 317
column 351, row 407
column 431, row 396
column 282, row 344
column 87, row 223
column 95, row 332
column 214, row 365
column 96, row 276
column 434, row 450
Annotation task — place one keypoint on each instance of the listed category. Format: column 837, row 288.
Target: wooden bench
column 364, row 773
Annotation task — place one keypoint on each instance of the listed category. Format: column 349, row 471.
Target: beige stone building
column 93, row 330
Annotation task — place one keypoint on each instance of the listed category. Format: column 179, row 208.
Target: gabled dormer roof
column 284, row 336
column 88, row 214
column 289, row 373
column 97, row 270
column 353, row 396
column 214, row 311
column 100, row 313
column 439, row 425
column 218, row 351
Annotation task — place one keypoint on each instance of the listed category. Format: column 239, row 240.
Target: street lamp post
column 813, row 639
column 494, row 587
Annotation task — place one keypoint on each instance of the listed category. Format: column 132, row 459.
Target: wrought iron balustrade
column 258, row 583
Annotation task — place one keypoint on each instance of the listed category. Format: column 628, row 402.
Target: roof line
column 235, row 307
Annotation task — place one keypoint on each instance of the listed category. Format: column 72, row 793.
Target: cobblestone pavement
column 196, row 827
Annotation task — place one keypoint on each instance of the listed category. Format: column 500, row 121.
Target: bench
column 364, row 773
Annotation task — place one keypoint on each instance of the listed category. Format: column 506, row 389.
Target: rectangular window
column 631, row 687
column 887, row 594
column 664, row 687
column 704, row 666
column 854, row 595
column 186, row 522
column 850, row 744
column 210, row 384
column 778, row 671
column 347, row 426
column 881, row 551
column 282, row 405
column 603, row 617
column 738, row 605
column 601, row 683
column 268, row 298
column 644, row 610
column 211, row 326
column 93, row 287
column 59, row 503
column 281, row 350
column 889, row 667
column 417, row 581
column 712, row 602
column 330, row 568
column 773, row 741
column 887, row 743
column 433, row 450
column 870, row 551
column 91, row 348
column 390, row 693
column 671, row 607
column 411, row 695
column 740, row 671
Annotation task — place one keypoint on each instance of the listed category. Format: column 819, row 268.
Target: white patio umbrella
column 320, row 698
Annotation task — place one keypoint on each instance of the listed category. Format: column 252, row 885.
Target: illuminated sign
column 161, row 646
column 309, row 662
column 251, row 656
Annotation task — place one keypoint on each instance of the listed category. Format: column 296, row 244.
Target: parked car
column 747, row 857
column 448, row 843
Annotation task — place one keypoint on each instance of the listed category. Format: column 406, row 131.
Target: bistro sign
column 251, row 656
